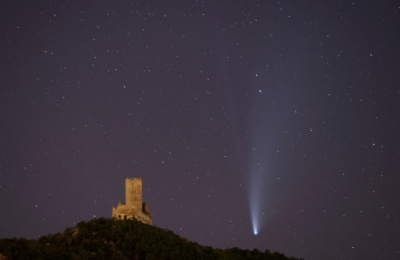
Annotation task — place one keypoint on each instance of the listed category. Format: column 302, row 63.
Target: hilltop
column 120, row 239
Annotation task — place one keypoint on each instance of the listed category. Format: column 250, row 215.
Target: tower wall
column 133, row 192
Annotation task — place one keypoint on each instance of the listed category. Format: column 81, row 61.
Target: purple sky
column 291, row 108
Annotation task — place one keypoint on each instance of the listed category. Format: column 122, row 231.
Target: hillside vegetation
column 120, row 239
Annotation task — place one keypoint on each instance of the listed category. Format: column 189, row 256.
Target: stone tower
column 133, row 206
column 133, row 192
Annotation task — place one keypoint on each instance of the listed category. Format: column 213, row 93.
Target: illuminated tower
column 133, row 206
column 133, row 192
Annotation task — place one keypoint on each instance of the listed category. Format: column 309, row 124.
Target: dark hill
column 120, row 239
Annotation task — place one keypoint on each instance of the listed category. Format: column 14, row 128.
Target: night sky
column 287, row 112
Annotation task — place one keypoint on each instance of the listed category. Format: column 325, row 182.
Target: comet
column 257, row 193
column 261, row 145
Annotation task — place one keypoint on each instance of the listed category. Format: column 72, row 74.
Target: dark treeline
column 120, row 239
